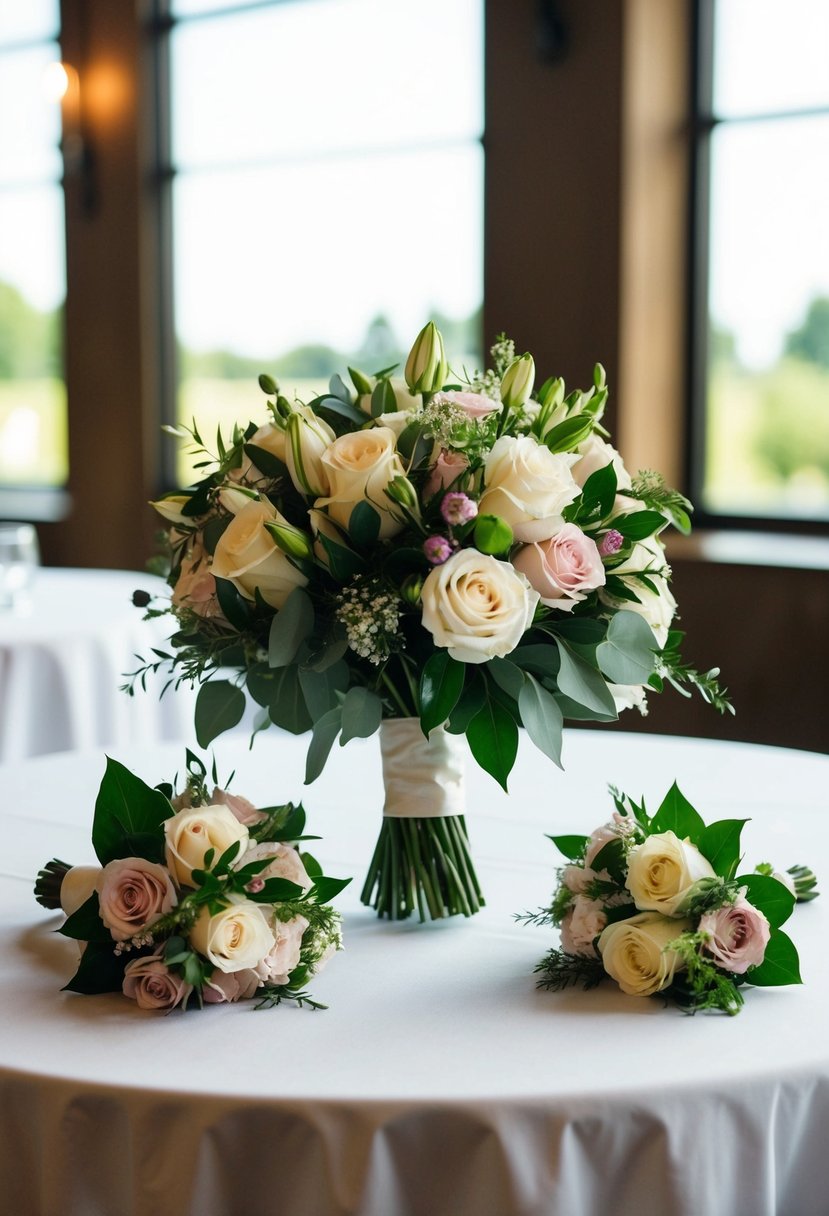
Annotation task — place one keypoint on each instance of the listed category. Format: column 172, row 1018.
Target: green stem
column 405, row 712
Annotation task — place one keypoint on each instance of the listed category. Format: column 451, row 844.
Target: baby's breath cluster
column 371, row 615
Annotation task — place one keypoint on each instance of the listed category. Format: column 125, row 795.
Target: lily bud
column 401, row 490
column 308, row 438
column 426, row 365
column 493, row 535
column 236, row 499
column 517, row 382
column 411, row 589
column 292, row 541
column 171, row 508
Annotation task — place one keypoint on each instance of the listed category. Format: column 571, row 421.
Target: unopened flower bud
column 292, row 541
column 411, row 588
column 493, row 535
column 401, row 490
column 171, row 508
column 426, row 365
column 517, row 382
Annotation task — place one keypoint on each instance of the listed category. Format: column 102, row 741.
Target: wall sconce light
column 62, row 85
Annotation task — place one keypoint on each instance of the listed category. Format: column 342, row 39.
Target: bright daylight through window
column 33, row 448
column 766, row 434
column 327, row 192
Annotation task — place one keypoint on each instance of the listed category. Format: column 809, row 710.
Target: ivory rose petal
column 359, row 467
column 562, row 569
column 132, row 894
column 192, row 832
column 247, row 555
column 529, row 486
column 662, row 870
column 634, row 952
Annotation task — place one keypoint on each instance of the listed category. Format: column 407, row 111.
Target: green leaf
column 233, row 605
column 628, row 653
column 469, row 703
column 126, row 805
column 220, row 706
column 720, row 843
column 493, row 740
column 85, row 924
column 780, row 964
column 345, row 409
column 611, row 857
column 312, row 867
column 599, row 492
column 581, row 631
column 542, row 718
column 676, row 815
column 338, row 388
column 320, row 688
column 571, row 847
column 293, row 623
column 441, row 685
column 383, row 400
column 509, row 678
column 287, row 706
column 100, row 970
column 362, row 711
column 266, row 462
column 276, row 891
column 325, row 889
column 540, row 658
column 574, row 712
column 583, row 683
column 343, row 562
column 569, row 434
column 325, row 732
column 638, row 524
column 261, row 681
column 364, row 525
column 327, row 656
column 213, row 531
column 769, row 896
column 361, row 383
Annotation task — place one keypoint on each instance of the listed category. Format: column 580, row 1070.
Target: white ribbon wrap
column 423, row 778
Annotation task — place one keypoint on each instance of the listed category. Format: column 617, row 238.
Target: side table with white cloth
column 63, row 655
column 440, row 1081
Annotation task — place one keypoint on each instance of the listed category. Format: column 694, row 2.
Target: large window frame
column 704, row 121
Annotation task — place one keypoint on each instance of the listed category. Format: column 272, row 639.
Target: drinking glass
column 19, row 559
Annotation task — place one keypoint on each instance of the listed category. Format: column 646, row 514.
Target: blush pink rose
column 583, row 923
column 474, row 405
column 448, row 467
column 133, row 893
column 152, row 985
column 195, row 586
column 285, row 862
column 562, row 569
column 243, row 810
column 230, row 986
column 737, row 936
column 598, row 839
column 276, row 966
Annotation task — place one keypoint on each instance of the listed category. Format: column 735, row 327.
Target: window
column 327, row 191
column 762, row 340
column 33, row 445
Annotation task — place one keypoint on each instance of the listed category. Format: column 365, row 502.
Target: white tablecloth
column 63, row 657
column 440, row 1082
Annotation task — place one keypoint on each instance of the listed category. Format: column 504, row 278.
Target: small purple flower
column 458, row 508
column 437, row 549
column 612, row 542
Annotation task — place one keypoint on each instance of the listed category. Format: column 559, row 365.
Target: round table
column 440, row 1081
column 63, row 655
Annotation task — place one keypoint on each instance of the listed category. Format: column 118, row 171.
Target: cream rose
column 271, row 439
column 529, row 486
column 132, row 894
column 634, row 955
column 277, row 965
column 248, row 556
column 562, row 569
column 359, row 466
column 237, row 938
column 477, row 607
column 79, row 883
column 191, row 833
column 405, row 401
column 657, row 607
column 152, row 985
column 595, row 454
column 662, row 870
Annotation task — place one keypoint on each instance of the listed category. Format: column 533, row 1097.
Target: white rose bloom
column 283, row 956
column 236, row 938
column 657, row 607
column 595, row 454
column 271, row 439
column 529, row 486
column 248, row 556
column 192, row 832
column 629, row 696
column 634, row 955
column 584, row 921
column 359, row 466
column 477, row 607
column 662, row 870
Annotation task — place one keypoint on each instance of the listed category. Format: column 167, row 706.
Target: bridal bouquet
column 446, row 556
column 199, row 898
column 656, row 904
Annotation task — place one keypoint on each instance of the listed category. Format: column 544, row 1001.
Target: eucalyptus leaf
column 292, row 624
column 542, row 718
column 320, row 688
column 287, row 706
column 325, row 731
column 507, row 676
column 220, row 706
column 362, row 712
column 628, row 653
column 345, row 409
column 583, row 683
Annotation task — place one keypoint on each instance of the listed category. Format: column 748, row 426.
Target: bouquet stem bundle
column 423, row 865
